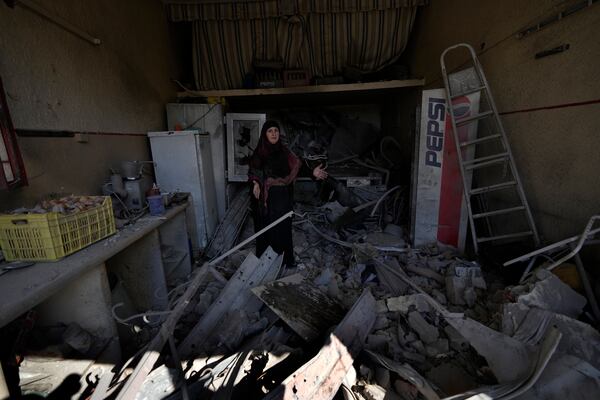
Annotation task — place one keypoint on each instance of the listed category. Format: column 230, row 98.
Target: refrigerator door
column 181, row 166
column 206, row 118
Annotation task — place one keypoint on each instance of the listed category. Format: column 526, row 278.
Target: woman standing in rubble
column 273, row 169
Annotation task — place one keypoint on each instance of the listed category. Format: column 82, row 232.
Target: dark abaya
column 274, row 168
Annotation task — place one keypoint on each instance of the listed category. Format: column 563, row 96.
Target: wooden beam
column 344, row 87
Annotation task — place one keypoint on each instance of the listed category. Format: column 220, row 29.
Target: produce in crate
column 66, row 205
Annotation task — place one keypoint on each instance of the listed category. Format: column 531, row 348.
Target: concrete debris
column 426, row 332
column 419, row 323
column 461, row 277
column 550, row 293
column 403, row 304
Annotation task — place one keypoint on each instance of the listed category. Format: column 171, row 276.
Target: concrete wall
column 54, row 80
column 556, row 150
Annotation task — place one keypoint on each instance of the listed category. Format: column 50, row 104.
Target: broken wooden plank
column 234, row 296
column 301, row 305
column 321, row 377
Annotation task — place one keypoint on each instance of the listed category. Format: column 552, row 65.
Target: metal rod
column 63, row 23
column 556, row 245
column 251, row 238
column 579, row 245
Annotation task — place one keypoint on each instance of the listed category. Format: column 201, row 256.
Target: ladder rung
column 468, row 91
column 491, row 188
column 485, row 161
column 474, row 118
column 508, row 236
column 498, row 212
column 483, row 139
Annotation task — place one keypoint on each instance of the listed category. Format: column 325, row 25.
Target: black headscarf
column 271, row 159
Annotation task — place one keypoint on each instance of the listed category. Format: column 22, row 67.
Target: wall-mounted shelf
column 340, row 88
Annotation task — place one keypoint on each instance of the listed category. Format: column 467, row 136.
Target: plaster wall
column 54, row 80
column 556, row 150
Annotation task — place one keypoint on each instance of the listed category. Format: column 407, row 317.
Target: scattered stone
column 381, row 322
column 461, row 276
column 426, row 332
column 402, row 304
column 381, row 306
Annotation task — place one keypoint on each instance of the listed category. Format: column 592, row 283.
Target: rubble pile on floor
column 365, row 316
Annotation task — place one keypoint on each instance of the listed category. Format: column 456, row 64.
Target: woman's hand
column 256, row 190
column 320, row 173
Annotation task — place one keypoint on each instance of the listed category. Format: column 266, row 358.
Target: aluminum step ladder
column 481, row 146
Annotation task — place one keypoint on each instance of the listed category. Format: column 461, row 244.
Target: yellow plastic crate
column 52, row 236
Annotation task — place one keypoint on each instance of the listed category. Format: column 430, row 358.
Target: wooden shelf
column 345, row 87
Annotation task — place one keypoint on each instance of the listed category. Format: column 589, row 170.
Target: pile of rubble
column 365, row 316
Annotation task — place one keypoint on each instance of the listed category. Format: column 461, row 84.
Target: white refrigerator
column 184, row 164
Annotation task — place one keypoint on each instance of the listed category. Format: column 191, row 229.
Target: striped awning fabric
column 320, row 36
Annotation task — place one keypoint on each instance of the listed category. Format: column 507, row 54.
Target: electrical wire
column 144, row 316
column 201, row 117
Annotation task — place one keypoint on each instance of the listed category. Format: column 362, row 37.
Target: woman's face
column 273, row 134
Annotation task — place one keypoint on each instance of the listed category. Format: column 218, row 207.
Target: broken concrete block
column 381, row 306
column 382, row 377
column 552, row 294
column 402, row 304
column 407, row 390
column 426, row 332
column 461, row 276
column 381, row 322
column 376, row 392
